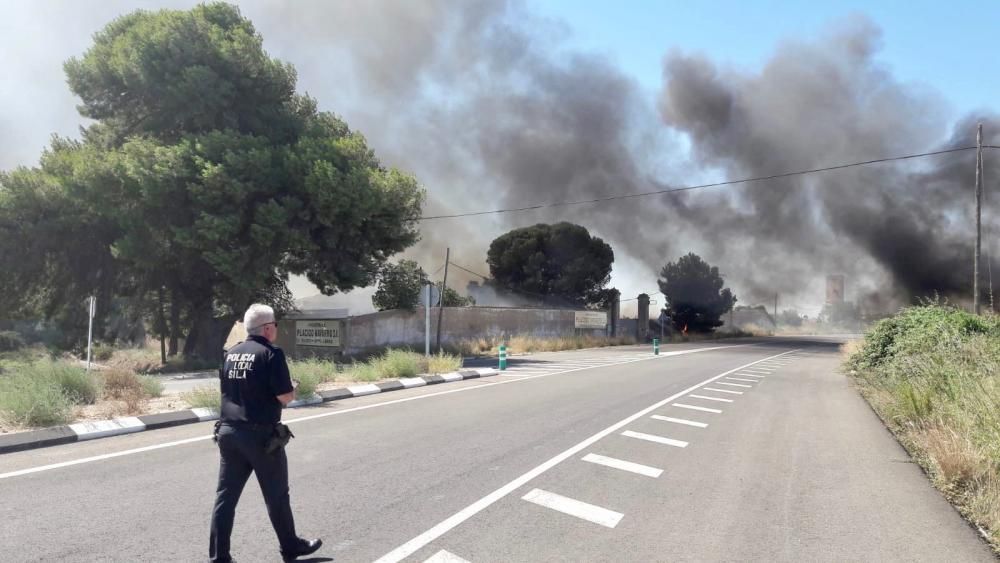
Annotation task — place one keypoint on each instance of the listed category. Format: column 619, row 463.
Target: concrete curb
column 78, row 432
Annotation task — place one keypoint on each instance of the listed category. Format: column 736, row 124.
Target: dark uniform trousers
column 242, row 452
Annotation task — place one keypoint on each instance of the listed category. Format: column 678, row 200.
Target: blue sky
column 949, row 46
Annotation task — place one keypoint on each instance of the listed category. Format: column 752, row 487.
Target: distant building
column 835, row 286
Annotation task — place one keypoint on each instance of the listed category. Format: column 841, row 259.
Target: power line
column 701, row 186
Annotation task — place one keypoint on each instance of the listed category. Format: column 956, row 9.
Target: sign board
column 591, row 319
column 317, row 333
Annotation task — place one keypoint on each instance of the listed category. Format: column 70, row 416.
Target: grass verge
column 44, row 392
column 932, row 373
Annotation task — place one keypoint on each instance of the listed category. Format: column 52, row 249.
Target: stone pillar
column 642, row 330
column 614, row 314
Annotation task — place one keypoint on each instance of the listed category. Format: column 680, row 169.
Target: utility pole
column 979, row 217
column 444, row 286
column 91, row 311
column 427, row 320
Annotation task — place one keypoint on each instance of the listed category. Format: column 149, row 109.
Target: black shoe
column 305, row 547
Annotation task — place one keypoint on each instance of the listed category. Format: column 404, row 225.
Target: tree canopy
column 399, row 286
column 695, row 297
column 559, row 264
column 203, row 183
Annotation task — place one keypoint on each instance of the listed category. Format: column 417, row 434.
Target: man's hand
column 286, row 398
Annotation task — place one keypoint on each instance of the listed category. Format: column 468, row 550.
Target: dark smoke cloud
column 489, row 107
column 899, row 230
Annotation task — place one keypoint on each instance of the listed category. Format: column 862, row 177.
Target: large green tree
column 696, row 299
column 202, row 184
column 560, row 263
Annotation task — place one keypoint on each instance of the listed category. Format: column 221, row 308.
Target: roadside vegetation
column 391, row 364
column 529, row 344
column 37, row 390
column 932, row 373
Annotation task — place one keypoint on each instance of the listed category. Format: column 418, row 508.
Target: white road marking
column 445, row 557
column 743, row 380
column 751, row 375
column 680, row 421
column 764, row 371
column 573, row 507
column 707, row 398
column 723, row 391
column 734, row 384
column 623, row 465
column 694, row 408
column 655, row 438
column 454, row 520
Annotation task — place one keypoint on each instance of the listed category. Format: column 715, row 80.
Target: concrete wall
column 365, row 333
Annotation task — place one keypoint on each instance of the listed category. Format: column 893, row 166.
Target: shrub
column 308, row 381
column 443, row 363
column 151, row 386
column 320, row 370
column 363, row 371
column 397, row 363
column 916, row 329
column 26, row 400
column 203, row 397
column 79, row 386
column 10, row 341
column 118, row 382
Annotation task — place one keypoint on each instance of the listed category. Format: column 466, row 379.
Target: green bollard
column 503, row 357
column 656, row 346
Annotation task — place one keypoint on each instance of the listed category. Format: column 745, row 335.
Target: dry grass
column 442, row 363
column 521, row 344
column 933, row 375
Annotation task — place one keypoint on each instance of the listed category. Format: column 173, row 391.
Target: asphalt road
column 528, row 466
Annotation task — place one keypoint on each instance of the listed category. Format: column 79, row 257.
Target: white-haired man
column 255, row 385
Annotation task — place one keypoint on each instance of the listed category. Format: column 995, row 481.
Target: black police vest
column 253, row 374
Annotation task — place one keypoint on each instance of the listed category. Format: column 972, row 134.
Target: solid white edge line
column 695, row 408
column 629, row 466
column 573, row 507
column 680, row 421
column 445, row 557
column 215, row 415
column 654, row 438
column 707, row 398
column 471, row 510
column 722, row 391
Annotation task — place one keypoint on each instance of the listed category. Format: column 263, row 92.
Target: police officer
column 255, row 386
